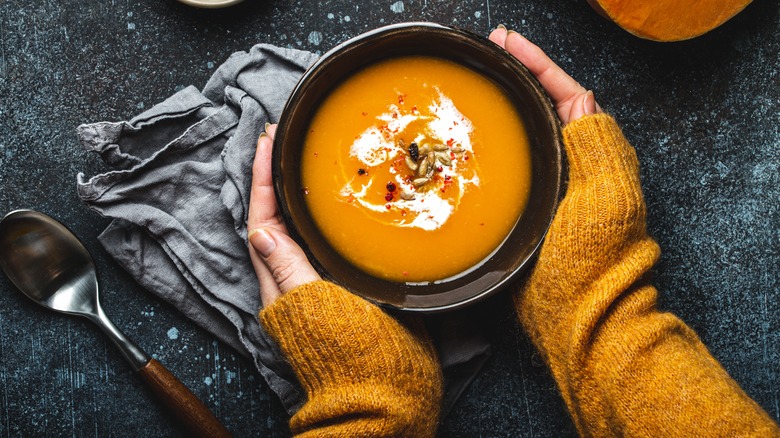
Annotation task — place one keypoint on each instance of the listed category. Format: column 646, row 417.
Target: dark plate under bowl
column 510, row 259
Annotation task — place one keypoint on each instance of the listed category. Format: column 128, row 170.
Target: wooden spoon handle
column 187, row 408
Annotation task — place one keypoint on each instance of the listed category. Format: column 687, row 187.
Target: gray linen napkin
column 178, row 194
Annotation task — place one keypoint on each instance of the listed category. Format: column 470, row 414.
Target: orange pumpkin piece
column 668, row 20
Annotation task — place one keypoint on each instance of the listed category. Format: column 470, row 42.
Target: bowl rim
column 420, row 26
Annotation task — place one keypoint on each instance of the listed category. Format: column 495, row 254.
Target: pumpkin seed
column 411, row 164
column 444, row 158
column 424, row 149
column 406, row 195
column 440, row 147
column 457, row 149
column 422, row 170
column 418, row 182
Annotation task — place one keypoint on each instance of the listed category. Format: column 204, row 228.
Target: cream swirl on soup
column 439, row 129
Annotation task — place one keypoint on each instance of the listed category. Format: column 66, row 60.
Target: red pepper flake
column 364, row 113
column 450, row 142
column 465, row 157
column 388, row 196
column 403, row 212
column 447, row 178
column 414, row 110
column 305, row 190
column 400, row 99
column 406, row 273
column 388, row 206
column 482, row 224
column 362, row 171
column 391, row 187
column 316, row 155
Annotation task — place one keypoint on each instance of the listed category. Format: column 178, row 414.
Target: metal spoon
column 50, row 265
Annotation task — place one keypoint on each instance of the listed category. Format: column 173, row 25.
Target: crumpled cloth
column 178, row 193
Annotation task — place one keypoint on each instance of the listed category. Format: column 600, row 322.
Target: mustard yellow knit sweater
column 365, row 373
column 623, row 367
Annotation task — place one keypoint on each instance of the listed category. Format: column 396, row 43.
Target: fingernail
column 263, row 135
column 262, row 242
column 510, row 32
column 501, row 26
column 267, row 125
column 589, row 104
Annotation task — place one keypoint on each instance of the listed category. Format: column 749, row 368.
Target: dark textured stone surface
column 703, row 115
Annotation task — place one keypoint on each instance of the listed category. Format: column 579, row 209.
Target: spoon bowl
column 63, row 279
column 50, row 265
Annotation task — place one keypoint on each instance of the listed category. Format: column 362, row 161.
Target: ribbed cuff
column 595, row 145
column 332, row 337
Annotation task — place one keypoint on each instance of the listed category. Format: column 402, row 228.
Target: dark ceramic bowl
column 513, row 256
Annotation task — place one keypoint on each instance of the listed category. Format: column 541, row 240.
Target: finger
column 269, row 290
column 284, row 258
column 561, row 87
column 262, row 211
column 271, row 130
column 583, row 105
column 498, row 35
column 558, row 84
column 262, row 201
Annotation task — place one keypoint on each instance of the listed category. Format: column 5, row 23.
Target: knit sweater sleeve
column 624, row 368
column 365, row 373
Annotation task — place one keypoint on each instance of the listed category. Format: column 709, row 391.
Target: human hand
column 597, row 244
column 571, row 100
column 280, row 264
column 588, row 306
column 340, row 346
column 603, row 209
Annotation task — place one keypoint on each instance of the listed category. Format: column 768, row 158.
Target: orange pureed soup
column 416, row 168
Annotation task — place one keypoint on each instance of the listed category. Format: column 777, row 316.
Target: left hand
column 572, row 101
column 280, row 264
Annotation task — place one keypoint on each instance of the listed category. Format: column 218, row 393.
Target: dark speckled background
column 704, row 116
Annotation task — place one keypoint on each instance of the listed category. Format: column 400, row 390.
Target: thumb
column 583, row 105
column 284, row 258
